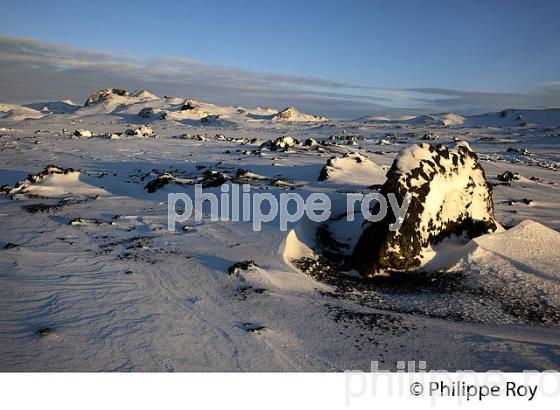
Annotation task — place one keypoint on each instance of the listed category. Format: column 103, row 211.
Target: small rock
column 243, row 265
column 83, row 133
column 430, row 136
column 44, row 331
column 508, row 176
column 251, row 327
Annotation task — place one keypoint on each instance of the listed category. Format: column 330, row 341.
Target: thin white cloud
column 32, row 69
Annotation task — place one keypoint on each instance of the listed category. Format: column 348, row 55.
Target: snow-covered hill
column 384, row 118
column 512, row 118
column 150, row 107
column 505, row 118
column 111, row 99
column 12, row 113
column 55, row 107
column 432, row 119
column 291, row 114
column 438, row 119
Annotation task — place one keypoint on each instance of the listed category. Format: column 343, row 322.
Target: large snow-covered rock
column 449, row 195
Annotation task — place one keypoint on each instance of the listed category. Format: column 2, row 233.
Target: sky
column 341, row 59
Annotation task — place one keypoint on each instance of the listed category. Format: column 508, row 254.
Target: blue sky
column 420, row 55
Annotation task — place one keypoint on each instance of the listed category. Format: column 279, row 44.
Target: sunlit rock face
column 105, row 94
column 448, row 195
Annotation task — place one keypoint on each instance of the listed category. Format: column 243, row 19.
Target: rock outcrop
column 190, row 105
column 151, row 112
column 110, row 99
column 449, row 195
column 292, row 114
column 508, row 176
column 281, row 143
column 22, row 187
column 105, row 94
column 141, row 131
column 83, row 133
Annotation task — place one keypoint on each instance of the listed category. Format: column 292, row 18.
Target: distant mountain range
column 146, row 105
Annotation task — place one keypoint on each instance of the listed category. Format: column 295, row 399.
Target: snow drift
column 54, row 182
column 529, row 246
column 353, row 169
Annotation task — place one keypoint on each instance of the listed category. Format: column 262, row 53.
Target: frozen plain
column 116, row 291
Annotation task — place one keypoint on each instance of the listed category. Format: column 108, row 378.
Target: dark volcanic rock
column 243, row 265
column 521, row 151
column 212, row 179
column 44, row 331
column 150, row 112
column 161, row 181
column 449, row 194
column 430, row 136
column 251, row 327
column 189, row 105
column 21, row 186
column 507, row 176
column 326, row 170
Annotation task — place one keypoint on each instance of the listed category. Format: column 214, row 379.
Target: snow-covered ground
column 91, row 279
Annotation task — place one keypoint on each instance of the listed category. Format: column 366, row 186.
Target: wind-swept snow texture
column 92, row 280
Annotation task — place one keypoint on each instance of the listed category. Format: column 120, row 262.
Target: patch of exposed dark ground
column 372, row 328
column 135, row 248
column 243, row 292
column 47, row 207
